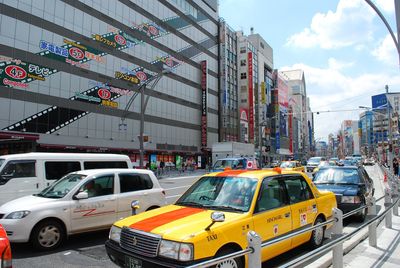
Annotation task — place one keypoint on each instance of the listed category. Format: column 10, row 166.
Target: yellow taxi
column 292, row 165
column 213, row 217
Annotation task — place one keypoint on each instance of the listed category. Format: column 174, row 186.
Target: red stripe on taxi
column 231, row 173
column 151, row 223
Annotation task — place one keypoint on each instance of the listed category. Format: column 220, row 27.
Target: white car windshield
column 62, row 187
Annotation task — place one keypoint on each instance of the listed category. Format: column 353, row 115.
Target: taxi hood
column 24, row 203
column 178, row 223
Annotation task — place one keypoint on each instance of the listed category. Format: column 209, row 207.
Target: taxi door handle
column 287, row 215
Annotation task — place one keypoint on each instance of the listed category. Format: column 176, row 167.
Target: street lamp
column 143, row 104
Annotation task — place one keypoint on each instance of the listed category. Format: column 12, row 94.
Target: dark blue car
column 351, row 185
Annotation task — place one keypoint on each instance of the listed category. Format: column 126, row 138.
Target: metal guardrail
column 392, row 197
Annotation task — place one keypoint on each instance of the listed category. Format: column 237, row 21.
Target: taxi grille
column 140, row 242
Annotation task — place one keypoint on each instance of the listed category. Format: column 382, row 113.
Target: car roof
column 339, row 167
column 257, row 174
column 99, row 172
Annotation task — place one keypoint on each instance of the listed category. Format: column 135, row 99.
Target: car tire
column 47, row 235
column 317, row 235
column 230, row 263
column 362, row 215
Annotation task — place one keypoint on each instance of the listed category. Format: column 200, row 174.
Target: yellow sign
column 263, row 92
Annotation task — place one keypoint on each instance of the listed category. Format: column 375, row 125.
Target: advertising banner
column 178, row 162
column 379, row 101
column 263, row 99
column 204, row 86
column 153, row 161
column 251, row 103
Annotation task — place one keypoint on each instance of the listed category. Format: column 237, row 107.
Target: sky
column 343, row 47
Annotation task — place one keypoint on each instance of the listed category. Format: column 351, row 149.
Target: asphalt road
column 87, row 250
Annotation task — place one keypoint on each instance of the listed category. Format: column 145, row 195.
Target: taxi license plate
column 132, row 262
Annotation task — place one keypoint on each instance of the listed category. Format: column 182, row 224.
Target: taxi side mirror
column 82, row 195
column 216, row 216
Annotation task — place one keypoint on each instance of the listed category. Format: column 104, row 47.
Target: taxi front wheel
column 317, row 235
column 47, row 235
column 230, row 263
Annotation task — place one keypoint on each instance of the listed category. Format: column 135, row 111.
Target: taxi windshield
column 62, row 187
column 288, row 164
column 220, row 193
column 337, row 176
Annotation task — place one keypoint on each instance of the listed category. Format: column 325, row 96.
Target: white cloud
column 331, row 89
column 386, row 51
column 385, row 5
column 350, row 24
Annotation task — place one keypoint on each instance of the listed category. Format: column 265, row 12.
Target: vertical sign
column 290, row 132
column 251, row 104
column 204, row 103
column 263, row 100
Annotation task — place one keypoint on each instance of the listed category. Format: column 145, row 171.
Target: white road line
column 180, row 178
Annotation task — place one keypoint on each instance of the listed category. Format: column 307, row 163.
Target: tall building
column 366, row 126
column 228, row 96
column 262, row 94
column 71, row 70
column 297, row 83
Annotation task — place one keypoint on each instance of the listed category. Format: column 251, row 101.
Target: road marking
column 181, row 178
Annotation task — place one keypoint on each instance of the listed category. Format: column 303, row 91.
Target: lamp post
column 143, row 104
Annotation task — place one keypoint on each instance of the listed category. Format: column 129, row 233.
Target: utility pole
column 390, row 151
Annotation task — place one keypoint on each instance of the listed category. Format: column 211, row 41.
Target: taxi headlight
column 175, row 250
column 16, row 215
column 115, row 234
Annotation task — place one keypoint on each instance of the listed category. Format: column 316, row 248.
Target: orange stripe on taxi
column 151, row 223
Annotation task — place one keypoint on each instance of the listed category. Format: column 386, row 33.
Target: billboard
column 378, row 101
column 251, row 103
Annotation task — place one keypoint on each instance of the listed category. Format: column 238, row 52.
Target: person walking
column 395, row 166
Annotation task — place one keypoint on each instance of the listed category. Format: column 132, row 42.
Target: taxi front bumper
column 121, row 256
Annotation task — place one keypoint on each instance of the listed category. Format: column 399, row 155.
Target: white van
column 26, row 174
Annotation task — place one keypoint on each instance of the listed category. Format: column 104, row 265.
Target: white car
column 81, row 201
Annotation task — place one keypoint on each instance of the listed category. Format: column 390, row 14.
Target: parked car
column 25, row 174
column 5, row 250
column 213, row 217
column 170, row 165
column 235, row 163
column 292, row 165
column 81, row 201
column 313, row 162
column 351, row 185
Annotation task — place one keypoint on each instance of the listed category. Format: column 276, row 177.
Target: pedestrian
column 395, row 166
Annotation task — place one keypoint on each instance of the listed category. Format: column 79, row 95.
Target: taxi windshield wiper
column 229, row 208
column 189, row 203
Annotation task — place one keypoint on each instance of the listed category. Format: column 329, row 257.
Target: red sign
column 251, row 103
column 141, row 75
column 76, row 53
column 120, row 40
column 15, row 72
column 203, row 104
column 290, row 133
column 104, row 93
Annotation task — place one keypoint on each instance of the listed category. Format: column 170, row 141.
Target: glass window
column 55, row 170
column 19, row 169
column 134, row 182
column 242, row 62
column 243, row 75
column 104, row 164
column 297, row 189
column 271, row 196
column 103, row 185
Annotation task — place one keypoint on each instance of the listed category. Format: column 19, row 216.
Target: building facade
column 228, row 96
column 71, row 71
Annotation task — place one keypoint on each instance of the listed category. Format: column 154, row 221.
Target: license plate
column 132, row 262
